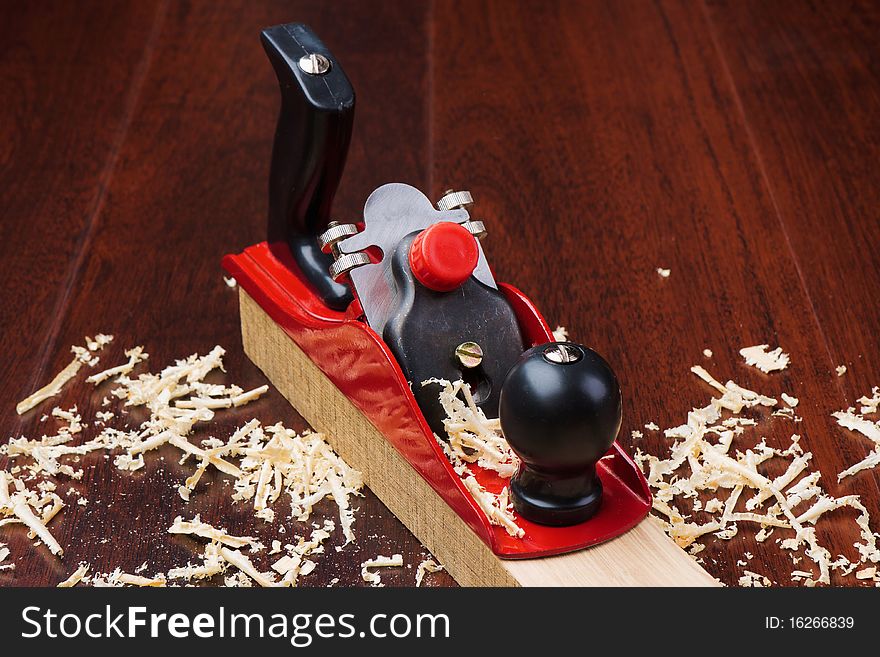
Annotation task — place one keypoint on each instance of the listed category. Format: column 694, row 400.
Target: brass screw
column 469, row 354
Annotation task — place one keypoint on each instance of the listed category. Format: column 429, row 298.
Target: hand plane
column 352, row 321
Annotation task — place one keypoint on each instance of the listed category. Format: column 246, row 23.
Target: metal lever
column 308, row 155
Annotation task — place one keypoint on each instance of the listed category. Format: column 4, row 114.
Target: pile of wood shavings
column 271, row 461
column 702, row 461
column 472, row 438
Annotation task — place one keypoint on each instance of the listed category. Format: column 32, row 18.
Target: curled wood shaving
column 425, row 567
column 766, row 361
column 54, row 387
column 240, row 561
column 472, row 437
column 29, row 507
column 294, row 564
column 870, row 404
column 395, row 561
column 75, row 577
column 198, row 528
column 135, row 356
column 497, row 508
column 118, row 579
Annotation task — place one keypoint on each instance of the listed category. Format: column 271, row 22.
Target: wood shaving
column 751, row 579
column 498, row 508
column 788, row 399
column 198, row 528
column 230, row 282
column 870, row 404
column 867, row 573
column 560, row 334
column 244, row 564
column 135, row 356
column 54, row 387
column 425, row 567
column 707, row 353
column 840, row 369
column 31, row 508
column 395, row 561
column 766, row 361
column 118, row 579
column 663, row 273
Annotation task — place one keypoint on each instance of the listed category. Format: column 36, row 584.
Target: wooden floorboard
column 733, row 142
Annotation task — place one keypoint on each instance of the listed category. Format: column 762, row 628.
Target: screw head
column 563, row 353
column 314, row 64
column 469, row 354
column 453, row 200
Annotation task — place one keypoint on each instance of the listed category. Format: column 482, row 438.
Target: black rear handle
column 308, row 155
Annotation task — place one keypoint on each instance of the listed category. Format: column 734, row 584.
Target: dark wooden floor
column 734, row 142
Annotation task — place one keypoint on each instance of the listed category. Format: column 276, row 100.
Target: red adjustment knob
column 443, row 256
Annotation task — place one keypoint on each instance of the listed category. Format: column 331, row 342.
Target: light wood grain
column 645, row 556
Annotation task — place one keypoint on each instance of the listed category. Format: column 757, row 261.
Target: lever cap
column 443, row 256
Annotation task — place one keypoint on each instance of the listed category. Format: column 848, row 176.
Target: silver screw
column 335, row 233
column 453, row 200
column 314, row 64
column 469, row 354
column 348, row 261
column 475, row 228
column 562, row 353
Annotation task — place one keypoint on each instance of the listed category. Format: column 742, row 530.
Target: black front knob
column 560, row 410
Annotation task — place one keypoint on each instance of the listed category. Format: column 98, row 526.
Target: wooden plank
column 601, row 141
column 644, row 556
